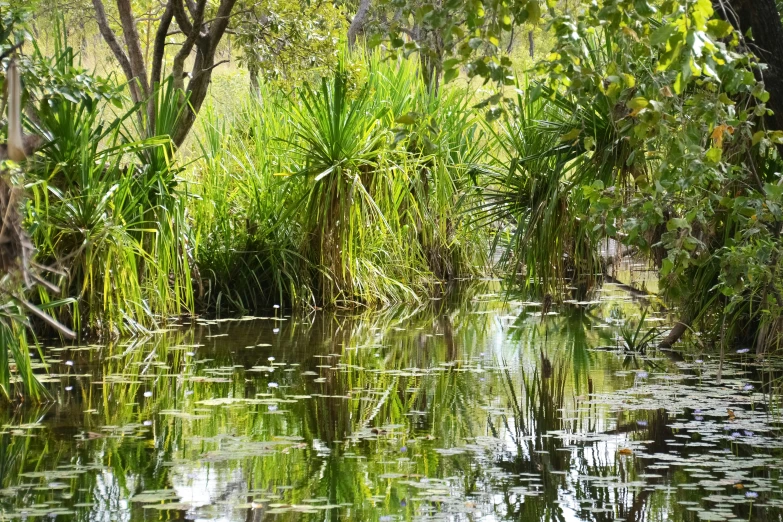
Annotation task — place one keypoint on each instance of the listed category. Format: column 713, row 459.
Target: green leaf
column 690, row 243
column 450, row 74
column 637, row 103
column 718, row 28
column 678, row 83
column 424, row 10
column 702, row 10
column 714, row 155
column 676, row 223
column 758, row 136
column 644, row 8
column 533, row 11
column 773, row 190
column 727, row 202
column 407, row 119
column 662, row 34
column 571, row 135
column 666, row 267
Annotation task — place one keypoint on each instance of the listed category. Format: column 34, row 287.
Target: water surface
column 469, row 408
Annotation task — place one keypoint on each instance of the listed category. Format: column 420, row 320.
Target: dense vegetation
column 375, row 161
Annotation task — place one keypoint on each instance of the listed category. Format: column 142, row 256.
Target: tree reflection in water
column 463, row 409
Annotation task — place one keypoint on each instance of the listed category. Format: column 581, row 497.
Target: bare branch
column 133, row 44
column 209, row 69
column 182, row 18
column 159, row 50
column 116, row 48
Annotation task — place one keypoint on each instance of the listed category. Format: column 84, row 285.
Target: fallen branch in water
column 674, row 335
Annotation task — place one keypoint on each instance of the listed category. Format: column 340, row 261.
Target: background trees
column 202, row 28
column 288, row 41
column 761, row 30
column 679, row 102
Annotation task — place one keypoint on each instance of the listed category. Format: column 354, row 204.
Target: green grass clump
column 344, row 193
column 104, row 211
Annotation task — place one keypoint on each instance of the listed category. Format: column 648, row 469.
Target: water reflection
column 470, row 408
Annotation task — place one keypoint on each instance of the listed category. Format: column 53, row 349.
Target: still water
column 471, row 408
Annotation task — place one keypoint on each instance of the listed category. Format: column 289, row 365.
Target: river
column 469, row 408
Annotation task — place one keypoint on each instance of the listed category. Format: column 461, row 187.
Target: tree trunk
column 116, row 49
column 201, row 74
column 358, row 22
column 761, row 17
column 252, row 71
column 200, row 34
column 133, row 44
column 510, row 41
column 530, row 43
column 158, row 54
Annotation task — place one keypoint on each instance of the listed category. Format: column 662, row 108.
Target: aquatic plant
column 634, row 339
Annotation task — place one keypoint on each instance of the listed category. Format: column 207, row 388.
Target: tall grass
column 247, row 254
column 104, row 210
column 336, row 195
column 16, row 365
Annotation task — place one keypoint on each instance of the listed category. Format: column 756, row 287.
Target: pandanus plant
column 338, row 139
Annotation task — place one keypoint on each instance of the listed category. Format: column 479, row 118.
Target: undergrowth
column 348, row 192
